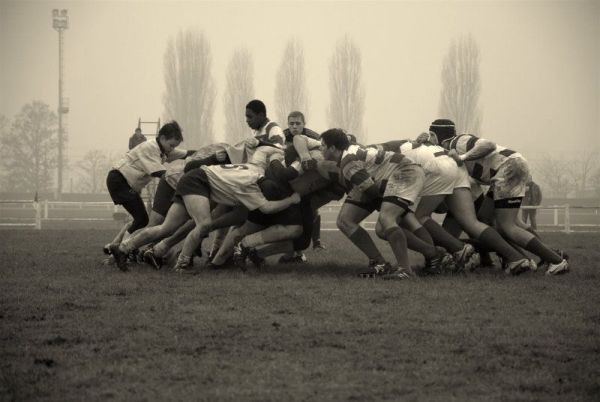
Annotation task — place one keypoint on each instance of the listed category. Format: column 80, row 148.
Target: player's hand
column 295, row 198
column 309, row 164
column 454, row 155
column 221, row 155
column 252, row 142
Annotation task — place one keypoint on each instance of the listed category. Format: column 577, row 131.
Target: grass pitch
column 73, row 329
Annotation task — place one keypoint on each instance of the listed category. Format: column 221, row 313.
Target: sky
column 540, row 63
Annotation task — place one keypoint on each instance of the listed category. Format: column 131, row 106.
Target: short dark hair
column 171, row 130
column 336, row 137
column 296, row 113
column 257, row 106
column 443, row 129
column 138, row 129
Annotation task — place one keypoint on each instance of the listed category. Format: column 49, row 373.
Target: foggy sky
column 540, row 63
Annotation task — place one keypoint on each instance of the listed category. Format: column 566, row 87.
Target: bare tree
column 28, row 149
column 190, row 88
column 239, row 90
column 290, row 91
column 461, row 85
column 551, row 173
column 581, row 169
column 93, row 168
column 347, row 103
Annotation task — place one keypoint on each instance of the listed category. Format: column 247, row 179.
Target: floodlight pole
column 60, row 22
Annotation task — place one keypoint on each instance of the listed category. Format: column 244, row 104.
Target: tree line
column 28, row 142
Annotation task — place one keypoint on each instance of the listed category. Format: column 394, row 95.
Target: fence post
column 567, row 219
column 38, row 215
column 555, row 216
column 45, row 209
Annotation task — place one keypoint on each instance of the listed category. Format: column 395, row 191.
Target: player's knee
column 345, row 225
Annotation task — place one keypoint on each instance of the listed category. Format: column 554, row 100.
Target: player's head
column 296, row 122
column 427, row 137
column 352, row 139
column 138, row 130
column 169, row 136
column 333, row 142
column 443, row 129
column 256, row 114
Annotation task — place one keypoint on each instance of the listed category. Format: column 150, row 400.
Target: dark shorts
column 289, row 216
column 193, row 182
column 163, row 198
column 371, row 205
column 120, row 191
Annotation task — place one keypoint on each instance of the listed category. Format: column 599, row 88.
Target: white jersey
column 483, row 169
column 236, row 184
column 141, row 162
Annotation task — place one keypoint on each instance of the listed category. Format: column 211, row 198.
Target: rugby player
column 375, row 179
column 136, row 169
column 507, row 173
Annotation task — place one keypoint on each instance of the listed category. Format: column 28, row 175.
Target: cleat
column 433, row 266
column 533, row 265
column 240, row 253
column 517, row 267
column 398, row 275
column 318, row 246
column 558, row 269
column 292, row 259
column 486, row 260
column 182, row 267
column 448, row 264
column 133, row 256
column 151, row 259
column 375, row 269
column 257, row 260
column 106, row 249
column 120, row 257
column 110, row 260
column 466, row 259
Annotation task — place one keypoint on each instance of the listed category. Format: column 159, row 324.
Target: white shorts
column 405, row 183
column 443, row 175
column 511, row 179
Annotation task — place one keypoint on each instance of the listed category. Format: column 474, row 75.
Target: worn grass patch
column 73, row 329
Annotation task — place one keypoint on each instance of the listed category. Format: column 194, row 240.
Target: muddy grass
column 73, row 329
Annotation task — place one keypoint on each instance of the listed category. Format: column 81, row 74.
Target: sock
column 184, row 259
column 541, row 250
column 424, row 235
column 417, row 244
column 441, row 237
column 493, row 241
column 363, row 241
column 397, row 241
column 316, row 230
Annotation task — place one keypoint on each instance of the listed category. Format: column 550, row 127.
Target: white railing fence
column 38, row 212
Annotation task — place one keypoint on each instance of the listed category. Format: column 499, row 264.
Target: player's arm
column 354, row 172
column 271, row 207
column 179, row 153
column 470, row 148
column 276, row 136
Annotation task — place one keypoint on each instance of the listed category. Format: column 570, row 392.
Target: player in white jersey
column 447, row 182
column 507, row 173
column 136, row 169
column 230, row 185
column 374, row 179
